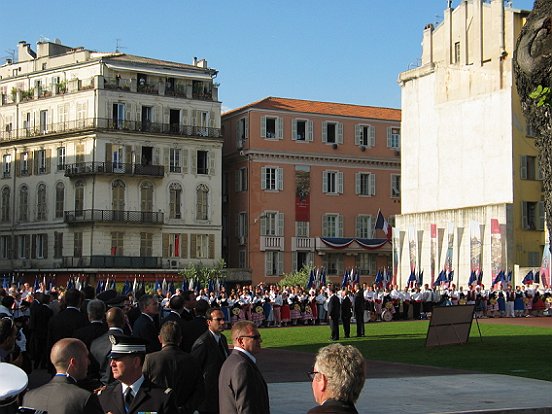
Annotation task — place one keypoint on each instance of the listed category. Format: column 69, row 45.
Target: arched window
column 60, row 200
column 202, row 202
column 23, row 203
column 79, row 198
column 5, row 214
column 175, row 196
column 41, row 202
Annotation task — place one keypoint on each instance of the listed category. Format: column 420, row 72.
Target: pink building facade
column 302, row 185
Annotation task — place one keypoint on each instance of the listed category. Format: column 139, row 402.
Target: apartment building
column 472, row 193
column 302, row 185
column 110, row 163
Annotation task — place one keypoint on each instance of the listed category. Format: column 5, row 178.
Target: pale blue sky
column 347, row 51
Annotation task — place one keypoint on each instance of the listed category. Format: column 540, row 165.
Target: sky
column 348, row 51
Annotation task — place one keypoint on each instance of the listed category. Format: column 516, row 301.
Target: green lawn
column 503, row 349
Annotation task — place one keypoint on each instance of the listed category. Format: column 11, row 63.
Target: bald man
column 61, row 395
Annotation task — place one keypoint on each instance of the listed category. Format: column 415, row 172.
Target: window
column 274, row 263
column 60, row 200
column 203, row 246
column 175, row 194
column 118, row 115
column 332, row 182
column 175, row 245
column 44, row 122
column 241, row 179
column 6, row 165
column 174, row 161
column 395, row 185
column 530, row 168
column 24, row 159
column 202, row 202
column 272, row 179
column 242, row 224
column 242, row 259
column 5, row 247
column 301, row 130
column 272, row 224
column 40, row 160
column 332, row 132
column 332, row 225
column 364, row 227
column 532, row 215
column 457, row 52
column 40, row 246
column 23, row 204
column 366, row 263
column 302, row 229
column 23, row 246
column 146, row 244
column 41, row 202
column 5, row 213
column 365, row 184
column 146, row 201
column 61, row 158
column 333, row 262
column 272, row 127
column 394, row 138
column 79, row 198
column 117, row 243
column 242, row 132
column 77, row 244
column 365, row 136
column 146, row 118
column 58, row 245
column 202, row 166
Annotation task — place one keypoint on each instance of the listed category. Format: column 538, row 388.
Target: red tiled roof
column 326, row 108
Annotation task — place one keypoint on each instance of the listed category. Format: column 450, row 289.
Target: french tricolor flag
column 382, row 224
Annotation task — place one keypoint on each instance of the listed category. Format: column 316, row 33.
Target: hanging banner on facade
column 302, row 193
column 395, row 256
column 433, row 252
column 450, row 249
column 496, row 249
column 475, row 247
column 545, row 266
column 412, row 248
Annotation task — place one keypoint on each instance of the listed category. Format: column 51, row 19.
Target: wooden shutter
column 165, row 245
column 309, row 131
column 373, row 184
column 372, row 136
column 280, row 224
column 263, row 127
column 339, row 225
column 48, row 160
column 339, row 139
column 357, row 183
column 268, row 263
column 45, row 246
column 184, row 245
column 325, row 225
column 324, row 181
column 279, row 128
column 294, row 129
column 340, row 182
column 325, row 131
column 33, row 247
column 263, row 178
column 194, row 162
column 540, row 217
column 108, row 152
column 193, row 252
column 184, row 161
column 211, row 246
column 166, row 158
column 523, row 168
column 358, row 134
column 280, row 179
column 211, row 158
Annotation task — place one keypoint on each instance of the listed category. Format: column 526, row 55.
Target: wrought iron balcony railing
column 130, row 262
column 109, row 168
column 113, row 216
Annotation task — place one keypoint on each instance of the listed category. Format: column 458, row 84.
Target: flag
column 134, row 286
column 184, row 285
column 323, row 277
column 473, row 278
column 412, row 279
column 386, row 278
column 440, row 279
column 528, row 279
column 382, row 224
column 157, row 285
column 311, row 279
column 379, row 279
column 171, row 288
column 537, row 277
column 164, row 286
column 127, row 288
column 356, row 277
column 499, row 278
column 36, row 284
column 421, row 278
column 480, row 278
column 509, row 277
column 345, row 280
column 450, row 277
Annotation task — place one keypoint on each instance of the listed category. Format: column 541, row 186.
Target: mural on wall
column 496, row 249
column 450, row 249
column 412, row 248
column 475, row 247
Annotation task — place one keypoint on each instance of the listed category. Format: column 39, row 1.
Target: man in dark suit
column 189, row 305
column 211, row 350
column 67, row 321
column 242, row 388
column 96, row 326
column 61, row 395
column 334, row 312
column 346, row 311
column 101, row 347
column 173, row 368
column 40, row 315
column 359, row 310
column 337, row 379
column 147, row 324
column 191, row 330
column 132, row 392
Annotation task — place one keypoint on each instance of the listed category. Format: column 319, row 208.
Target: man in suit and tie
column 189, row 305
column 132, row 393
column 147, row 324
column 346, row 311
column 40, row 315
column 96, row 327
column 337, row 379
column 173, row 368
column 334, row 313
column 211, row 350
column 67, row 321
column 62, row 395
column 242, row 388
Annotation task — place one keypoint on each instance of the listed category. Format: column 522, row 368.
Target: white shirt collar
column 249, row 354
column 135, row 387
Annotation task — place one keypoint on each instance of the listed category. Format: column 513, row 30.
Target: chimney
column 24, row 52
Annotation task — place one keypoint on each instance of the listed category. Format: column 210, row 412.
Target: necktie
column 223, row 348
column 128, row 399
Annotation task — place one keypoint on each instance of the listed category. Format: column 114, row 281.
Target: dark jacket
column 146, row 329
column 334, row 407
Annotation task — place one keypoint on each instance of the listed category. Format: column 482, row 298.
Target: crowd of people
column 138, row 344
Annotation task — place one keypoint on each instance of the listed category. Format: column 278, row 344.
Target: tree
column 532, row 65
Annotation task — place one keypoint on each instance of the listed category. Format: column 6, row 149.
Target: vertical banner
column 402, row 236
column 419, row 256
column 460, row 233
column 433, row 252
column 412, row 248
column 395, row 255
column 496, row 249
column 545, row 266
column 475, row 247
column 302, row 193
column 450, row 249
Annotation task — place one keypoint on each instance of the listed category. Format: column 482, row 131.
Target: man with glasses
column 242, row 388
column 211, row 350
column 337, row 379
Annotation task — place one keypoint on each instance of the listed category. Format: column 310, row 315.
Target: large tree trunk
column 533, row 67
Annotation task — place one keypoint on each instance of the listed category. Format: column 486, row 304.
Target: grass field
column 503, row 349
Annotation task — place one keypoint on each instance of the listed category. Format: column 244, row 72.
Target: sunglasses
column 254, row 337
column 218, row 319
column 312, row 374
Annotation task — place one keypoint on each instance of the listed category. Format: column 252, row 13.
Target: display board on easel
column 450, row 325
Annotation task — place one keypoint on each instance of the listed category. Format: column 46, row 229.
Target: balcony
column 113, row 168
column 128, row 262
column 104, row 124
column 272, row 243
column 113, row 216
column 302, row 243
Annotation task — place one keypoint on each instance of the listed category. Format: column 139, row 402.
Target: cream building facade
column 109, row 163
column 471, row 194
